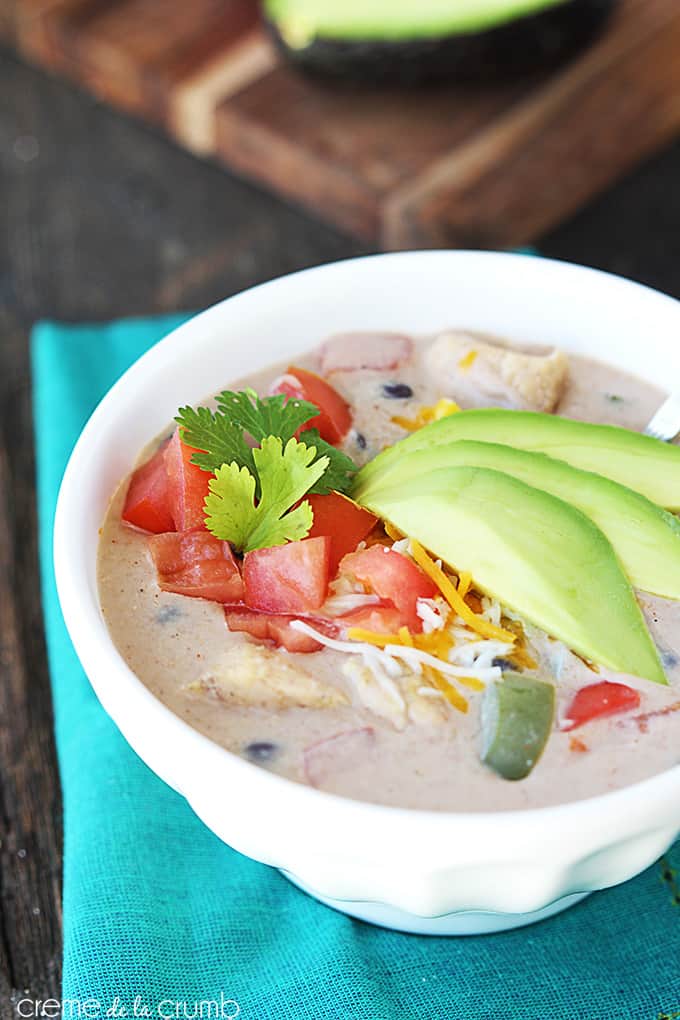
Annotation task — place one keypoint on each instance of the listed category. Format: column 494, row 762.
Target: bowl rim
column 92, row 650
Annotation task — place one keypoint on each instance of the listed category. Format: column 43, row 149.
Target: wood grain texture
column 102, row 218
column 342, row 151
column 448, row 165
column 583, row 130
column 464, row 167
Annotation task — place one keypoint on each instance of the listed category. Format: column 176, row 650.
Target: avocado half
column 420, row 40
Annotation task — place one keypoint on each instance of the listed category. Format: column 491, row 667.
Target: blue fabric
column 157, row 907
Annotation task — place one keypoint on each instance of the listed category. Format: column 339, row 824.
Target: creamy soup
column 325, row 718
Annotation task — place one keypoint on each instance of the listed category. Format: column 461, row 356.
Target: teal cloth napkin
column 159, row 914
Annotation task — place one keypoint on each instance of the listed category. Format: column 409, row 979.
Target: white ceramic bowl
column 414, row 870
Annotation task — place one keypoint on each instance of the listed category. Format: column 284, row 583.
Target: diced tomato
column 334, row 419
column 288, row 637
column 147, row 504
column 393, row 576
column 344, row 521
column 381, row 619
column 271, row 627
column 249, row 621
column 599, row 700
column 188, row 485
column 291, row 578
column 196, row 563
column 349, row 352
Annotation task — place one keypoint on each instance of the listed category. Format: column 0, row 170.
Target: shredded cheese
column 464, row 582
column 447, row 691
column 450, row 593
column 392, row 532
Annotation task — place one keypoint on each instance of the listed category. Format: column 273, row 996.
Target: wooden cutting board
column 439, row 166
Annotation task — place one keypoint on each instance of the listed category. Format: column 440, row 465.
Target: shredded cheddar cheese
column 428, row 413
column 464, row 582
column 437, row 644
column 453, row 697
column 392, row 532
column 450, row 593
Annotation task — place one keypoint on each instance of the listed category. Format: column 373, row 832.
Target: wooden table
column 100, row 217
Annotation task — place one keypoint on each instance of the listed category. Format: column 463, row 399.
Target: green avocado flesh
column 645, row 538
column 535, row 553
column 301, row 21
column 644, row 464
column 517, row 717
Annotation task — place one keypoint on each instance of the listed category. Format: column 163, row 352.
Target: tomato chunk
column 197, row 564
column 271, row 627
column 147, row 504
column 344, row 521
column 393, row 576
column 334, row 419
column 188, row 485
column 290, row 578
column 599, row 700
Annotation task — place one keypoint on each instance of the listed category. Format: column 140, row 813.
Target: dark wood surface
column 446, row 165
column 100, row 217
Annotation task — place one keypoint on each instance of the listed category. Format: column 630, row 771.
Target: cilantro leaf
column 338, row 474
column 285, row 474
column 278, row 415
column 220, row 435
column 220, row 441
column 230, row 504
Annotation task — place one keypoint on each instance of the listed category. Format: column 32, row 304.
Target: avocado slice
column 645, row 538
column 644, row 464
column 517, row 716
column 534, row 552
column 424, row 39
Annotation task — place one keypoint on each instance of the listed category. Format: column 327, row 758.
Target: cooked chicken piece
column 253, row 676
column 485, row 372
column 397, row 700
column 384, row 699
column 424, row 710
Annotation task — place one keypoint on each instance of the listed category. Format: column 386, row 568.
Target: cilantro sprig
column 285, row 474
column 253, row 494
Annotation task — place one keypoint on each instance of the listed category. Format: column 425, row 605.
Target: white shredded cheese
column 433, row 613
column 416, row 659
column 338, row 605
column 491, row 610
column 387, row 657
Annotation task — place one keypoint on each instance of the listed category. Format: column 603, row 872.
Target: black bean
column 504, row 664
column 166, row 614
column 397, row 390
column 360, row 440
column 262, row 751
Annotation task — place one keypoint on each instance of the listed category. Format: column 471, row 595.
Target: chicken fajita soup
column 438, row 573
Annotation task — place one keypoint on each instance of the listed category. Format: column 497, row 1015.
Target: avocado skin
column 533, row 42
column 535, row 553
